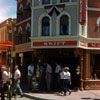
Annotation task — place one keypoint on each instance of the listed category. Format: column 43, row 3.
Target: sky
column 7, row 9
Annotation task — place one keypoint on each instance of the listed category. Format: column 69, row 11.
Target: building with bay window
column 68, row 31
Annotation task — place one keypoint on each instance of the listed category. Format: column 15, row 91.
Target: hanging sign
column 82, row 12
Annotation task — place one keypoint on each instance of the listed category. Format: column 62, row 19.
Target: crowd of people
column 7, row 76
column 60, row 80
column 61, row 77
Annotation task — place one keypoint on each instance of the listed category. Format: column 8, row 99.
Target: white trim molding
column 58, row 22
column 40, row 24
column 93, row 9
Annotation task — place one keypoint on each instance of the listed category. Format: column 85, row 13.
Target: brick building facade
column 22, row 42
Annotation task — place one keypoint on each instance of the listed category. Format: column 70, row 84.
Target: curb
column 36, row 98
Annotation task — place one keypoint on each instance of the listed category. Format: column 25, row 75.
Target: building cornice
column 66, row 4
column 21, row 22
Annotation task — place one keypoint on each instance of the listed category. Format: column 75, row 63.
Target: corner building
column 68, row 31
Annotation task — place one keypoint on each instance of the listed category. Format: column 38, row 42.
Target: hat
column 66, row 68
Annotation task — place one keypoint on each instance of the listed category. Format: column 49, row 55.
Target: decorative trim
column 93, row 9
column 66, row 4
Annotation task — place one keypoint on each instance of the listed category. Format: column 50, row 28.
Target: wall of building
column 70, row 9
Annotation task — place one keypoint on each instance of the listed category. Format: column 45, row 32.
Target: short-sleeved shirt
column 58, row 69
column 62, row 75
column 17, row 72
column 5, row 76
column 49, row 69
column 31, row 68
column 67, row 75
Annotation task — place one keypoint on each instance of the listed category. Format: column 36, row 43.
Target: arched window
column 64, row 25
column 45, row 26
column 20, row 30
column 46, row 2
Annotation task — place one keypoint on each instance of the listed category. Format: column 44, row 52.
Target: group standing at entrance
column 49, row 78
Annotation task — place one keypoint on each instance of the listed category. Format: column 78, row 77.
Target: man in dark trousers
column 17, row 76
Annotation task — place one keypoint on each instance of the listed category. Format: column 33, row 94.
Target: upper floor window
column 64, row 25
column 64, row 0
column 45, row 1
column 45, row 26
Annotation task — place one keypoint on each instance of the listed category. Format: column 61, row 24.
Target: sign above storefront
column 6, row 43
column 94, row 45
column 55, row 43
column 66, row 44
column 82, row 11
column 23, row 48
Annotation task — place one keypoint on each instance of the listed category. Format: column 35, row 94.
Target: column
column 81, row 64
column 87, row 66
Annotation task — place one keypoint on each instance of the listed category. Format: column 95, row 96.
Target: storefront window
column 95, row 66
column 45, row 26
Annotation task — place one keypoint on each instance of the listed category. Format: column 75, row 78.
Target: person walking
column 67, row 81
column 30, row 75
column 17, row 76
column 62, row 80
column 4, row 81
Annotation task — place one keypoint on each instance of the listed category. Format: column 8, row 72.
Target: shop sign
column 96, row 45
column 23, row 49
column 6, row 43
column 55, row 43
column 83, row 44
column 82, row 11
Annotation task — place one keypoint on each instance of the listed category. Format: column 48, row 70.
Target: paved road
column 23, row 98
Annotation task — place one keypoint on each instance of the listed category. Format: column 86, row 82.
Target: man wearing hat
column 67, row 80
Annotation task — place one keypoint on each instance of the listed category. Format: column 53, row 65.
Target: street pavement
column 23, row 98
column 75, row 95
column 79, row 95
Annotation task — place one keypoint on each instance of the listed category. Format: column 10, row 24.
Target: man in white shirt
column 4, row 81
column 17, row 76
column 48, row 75
column 30, row 75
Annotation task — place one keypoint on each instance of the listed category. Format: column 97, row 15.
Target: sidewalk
column 80, row 95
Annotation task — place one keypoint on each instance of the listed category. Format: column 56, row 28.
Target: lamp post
column 10, row 29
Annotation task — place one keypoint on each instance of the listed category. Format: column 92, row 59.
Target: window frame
column 48, row 25
column 62, row 25
column 58, row 23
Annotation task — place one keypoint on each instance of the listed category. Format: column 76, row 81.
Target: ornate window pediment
column 28, row 5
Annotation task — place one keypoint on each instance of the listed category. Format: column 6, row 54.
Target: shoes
column 70, row 92
column 64, row 94
column 21, row 96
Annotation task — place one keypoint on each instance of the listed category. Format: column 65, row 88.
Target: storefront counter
column 91, row 84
